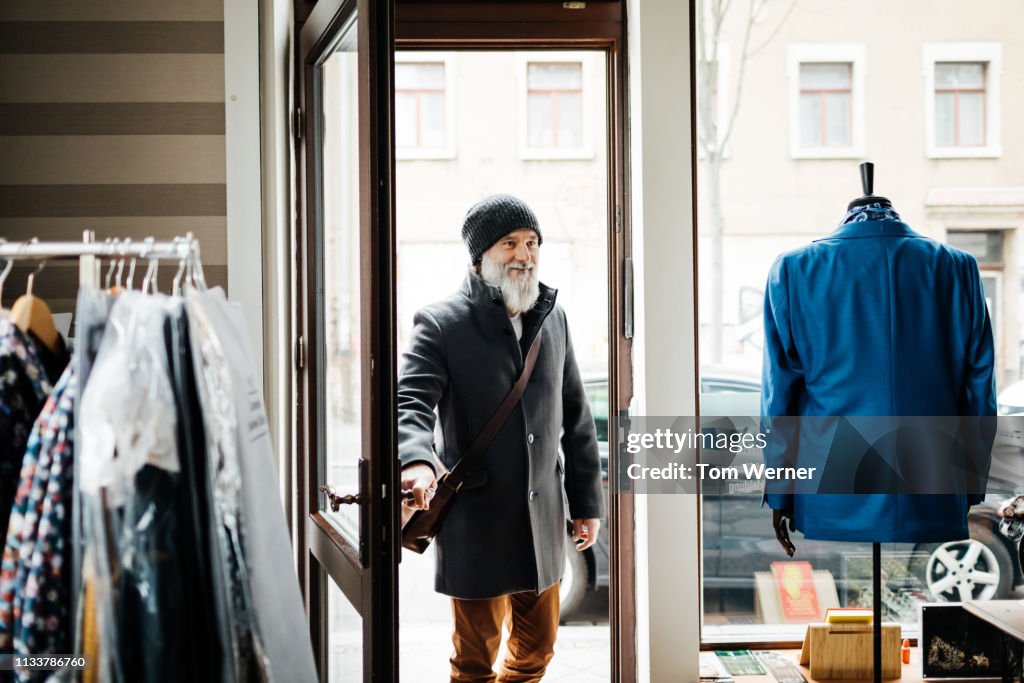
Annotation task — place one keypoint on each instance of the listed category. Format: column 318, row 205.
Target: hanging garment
column 28, row 371
column 216, row 395
column 92, row 312
column 209, row 599
column 930, row 353
column 129, row 479
column 277, row 599
column 34, row 580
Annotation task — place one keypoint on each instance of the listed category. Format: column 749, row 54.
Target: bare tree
column 714, row 128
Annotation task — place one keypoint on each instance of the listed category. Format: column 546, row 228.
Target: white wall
column 275, row 66
column 668, row 536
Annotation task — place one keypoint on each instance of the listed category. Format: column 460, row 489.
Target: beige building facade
column 927, row 91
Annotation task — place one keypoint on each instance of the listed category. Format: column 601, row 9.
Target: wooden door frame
column 422, row 25
column 374, row 592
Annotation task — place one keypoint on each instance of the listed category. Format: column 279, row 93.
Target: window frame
column 991, row 55
column 528, row 152
column 853, row 54
column 448, row 150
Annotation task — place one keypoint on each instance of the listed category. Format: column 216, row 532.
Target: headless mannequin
column 782, row 521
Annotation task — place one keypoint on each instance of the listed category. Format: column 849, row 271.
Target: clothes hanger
column 31, row 314
column 149, row 282
column 4, row 313
column 176, row 287
column 131, row 274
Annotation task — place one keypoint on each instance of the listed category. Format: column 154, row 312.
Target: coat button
column 533, row 495
column 529, row 438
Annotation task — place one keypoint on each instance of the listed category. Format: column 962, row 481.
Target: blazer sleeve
column 979, row 394
column 782, row 382
column 579, row 442
column 421, row 383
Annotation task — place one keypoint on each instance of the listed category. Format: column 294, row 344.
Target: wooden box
column 845, row 651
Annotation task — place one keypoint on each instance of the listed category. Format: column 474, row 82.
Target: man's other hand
column 419, row 478
column 585, row 530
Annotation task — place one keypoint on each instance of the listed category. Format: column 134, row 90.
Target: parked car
column 738, row 539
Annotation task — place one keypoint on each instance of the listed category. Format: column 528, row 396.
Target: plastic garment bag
column 129, row 476
column 276, row 596
column 216, row 395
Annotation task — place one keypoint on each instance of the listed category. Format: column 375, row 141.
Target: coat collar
column 484, row 294
column 882, row 228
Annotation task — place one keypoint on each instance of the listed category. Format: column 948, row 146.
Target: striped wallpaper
column 111, row 119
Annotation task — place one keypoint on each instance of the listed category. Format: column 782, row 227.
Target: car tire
column 953, row 568
column 575, row 580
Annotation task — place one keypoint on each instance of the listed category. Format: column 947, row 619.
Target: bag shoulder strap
column 454, row 477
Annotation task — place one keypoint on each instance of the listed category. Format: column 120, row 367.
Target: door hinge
column 300, row 353
column 618, row 220
column 298, row 123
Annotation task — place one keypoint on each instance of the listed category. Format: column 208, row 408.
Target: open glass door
column 345, row 357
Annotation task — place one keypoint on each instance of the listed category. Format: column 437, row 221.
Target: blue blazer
column 876, row 319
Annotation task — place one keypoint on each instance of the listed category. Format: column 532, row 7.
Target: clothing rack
column 89, row 252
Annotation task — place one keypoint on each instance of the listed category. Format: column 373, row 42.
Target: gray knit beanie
column 492, row 218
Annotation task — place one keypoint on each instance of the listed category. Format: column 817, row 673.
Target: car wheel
column 575, row 580
column 969, row 570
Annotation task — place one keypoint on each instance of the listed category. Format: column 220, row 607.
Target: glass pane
column 810, row 120
column 972, row 118
column 405, row 119
column 945, row 133
column 824, row 76
column 540, row 131
column 837, row 113
column 959, row 75
column 737, row 247
column 984, row 245
column 340, row 381
column 432, row 119
column 344, row 637
column 570, row 120
column 554, row 76
column 414, row 76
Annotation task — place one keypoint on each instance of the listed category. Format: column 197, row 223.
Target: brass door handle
column 337, row 501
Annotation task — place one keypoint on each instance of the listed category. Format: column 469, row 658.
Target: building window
column 826, row 101
column 962, row 99
column 423, row 113
column 555, row 109
column 959, row 103
column 555, row 105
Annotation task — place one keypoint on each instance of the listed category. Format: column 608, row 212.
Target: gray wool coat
column 506, row 531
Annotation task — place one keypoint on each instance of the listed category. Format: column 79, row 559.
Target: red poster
column 795, row 582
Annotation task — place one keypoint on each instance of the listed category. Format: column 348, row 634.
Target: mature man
column 500, row 551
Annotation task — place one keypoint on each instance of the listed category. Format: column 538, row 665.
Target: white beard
column 520, row 293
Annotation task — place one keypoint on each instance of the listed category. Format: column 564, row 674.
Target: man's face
column 516, row 252
column 511, row 265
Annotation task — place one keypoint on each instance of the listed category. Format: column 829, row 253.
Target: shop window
column 423, row 117
column 827, row 101
column 962, row 99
